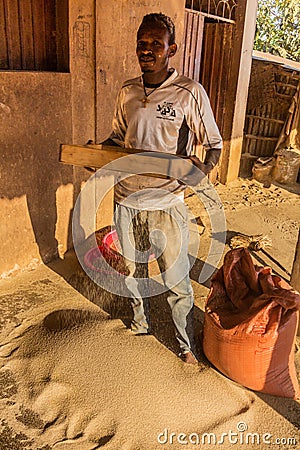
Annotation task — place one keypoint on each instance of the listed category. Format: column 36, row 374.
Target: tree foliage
column 278, row 28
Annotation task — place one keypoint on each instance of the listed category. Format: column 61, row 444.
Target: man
column 160, row 111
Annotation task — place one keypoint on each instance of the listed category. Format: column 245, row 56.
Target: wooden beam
column 286, row 96
column 281, row 83
column 261, row 138
column 288, row 75
column 267, row 119
column 156, row 164
column 3, row 39
column 91, row 155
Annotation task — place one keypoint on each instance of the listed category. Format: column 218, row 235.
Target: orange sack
column 251, row 320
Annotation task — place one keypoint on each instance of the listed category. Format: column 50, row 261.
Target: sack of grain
column 251, row 319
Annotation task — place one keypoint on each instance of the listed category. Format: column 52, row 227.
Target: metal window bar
column 216, row 9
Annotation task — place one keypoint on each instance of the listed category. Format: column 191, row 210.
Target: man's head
column 155, row 43
column 159, row 20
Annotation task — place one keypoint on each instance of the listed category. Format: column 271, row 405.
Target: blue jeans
column 166, row 231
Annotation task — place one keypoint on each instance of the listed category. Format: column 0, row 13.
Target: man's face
column 153, row 49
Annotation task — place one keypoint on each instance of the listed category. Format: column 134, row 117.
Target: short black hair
column 163, row 21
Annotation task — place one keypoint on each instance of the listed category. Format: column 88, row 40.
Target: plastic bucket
column 111, row 252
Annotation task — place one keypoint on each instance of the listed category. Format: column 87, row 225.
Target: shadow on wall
column 36, row 216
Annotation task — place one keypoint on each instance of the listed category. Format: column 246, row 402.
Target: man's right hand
column 198, row 171
column 205, row 168
column 90, row 169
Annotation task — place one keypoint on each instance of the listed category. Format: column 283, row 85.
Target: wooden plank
column 281, row 83
column 224, row 73
column 13, row 34
column 62, row 36
column 249, row 156
column 268, row 119
column 267, row 147
column 260, row 143
column 3, row 39
column 254, row 131
column 217, row 64
column 26, row 32
column 286, row 96
column 219, row 81
column 38, row 16
column 261, row 138
column 188, row 43
column 193, row 46
column 157, row 164
column 199, row 42
column 50, row 34
column 206, row 74
column 212, row 60
column 182, row 59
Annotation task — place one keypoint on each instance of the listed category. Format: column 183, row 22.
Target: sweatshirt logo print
column 166, row 110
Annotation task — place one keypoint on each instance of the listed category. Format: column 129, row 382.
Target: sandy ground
column 74, row 377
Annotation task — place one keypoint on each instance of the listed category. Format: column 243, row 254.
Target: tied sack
column 251, row 320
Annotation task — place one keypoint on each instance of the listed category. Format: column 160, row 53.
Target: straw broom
column 254, row 242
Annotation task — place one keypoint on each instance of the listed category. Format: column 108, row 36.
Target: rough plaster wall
column 82, row 65
column 35, row 119
column 82, row 68
column 117, row 24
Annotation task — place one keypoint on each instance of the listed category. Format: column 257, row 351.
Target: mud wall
column 34, row 120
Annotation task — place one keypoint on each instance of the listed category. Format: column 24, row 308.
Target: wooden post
column 237, row 93
column 295, row 277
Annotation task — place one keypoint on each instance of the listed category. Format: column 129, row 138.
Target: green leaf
column 278, row 28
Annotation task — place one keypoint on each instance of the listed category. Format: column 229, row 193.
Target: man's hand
column 211, row 159
column 90, row 169
column 204, row 167
column 195, row 176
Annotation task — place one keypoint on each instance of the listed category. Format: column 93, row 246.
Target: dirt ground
column 74, row 377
